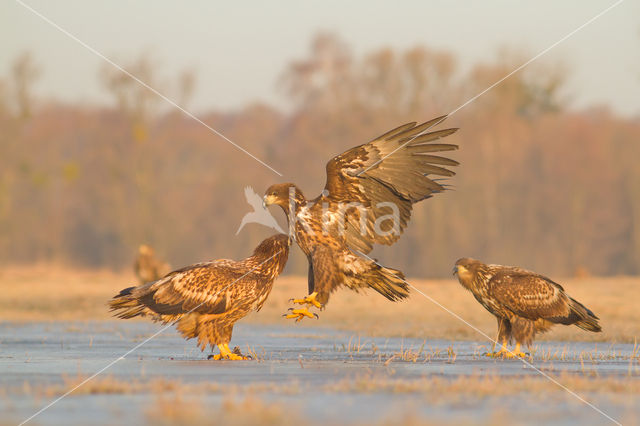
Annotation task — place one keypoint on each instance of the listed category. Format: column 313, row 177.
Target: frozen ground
column 326, row 375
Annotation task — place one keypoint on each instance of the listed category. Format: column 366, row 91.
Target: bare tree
column 186, row 87
column 134, row 100
column 24, row 73
column 538, row 185
column 4, row 98
column 322, row 79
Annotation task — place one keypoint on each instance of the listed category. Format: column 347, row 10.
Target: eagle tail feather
column 126, row 305
column 388, row 282
column 582, row 317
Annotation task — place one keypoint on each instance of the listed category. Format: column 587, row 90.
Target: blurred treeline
column 540, row 185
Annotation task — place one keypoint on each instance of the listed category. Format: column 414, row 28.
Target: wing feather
column 203, row 288
column 416, row 130
column 394, row 168
column 529, row 295
column 396, row 131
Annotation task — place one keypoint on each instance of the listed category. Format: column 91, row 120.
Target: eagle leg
column 228, row 354
column 503, row 350
column 310, row 300
column 515, row 353
column 299, row 314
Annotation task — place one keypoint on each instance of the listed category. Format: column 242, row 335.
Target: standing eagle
column 147, row 267
column 368, row 198
column 206, row 299
column 523, row 302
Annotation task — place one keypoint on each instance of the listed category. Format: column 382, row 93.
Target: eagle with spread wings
column 523, row 302
column 206, row 299
column 368, row 199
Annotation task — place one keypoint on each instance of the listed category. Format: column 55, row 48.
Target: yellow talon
column 503, row 350
column 234, row 357
column 299, row 314
column 310, row 300
column 512, row 354
column 227, row 354
column 515, row 354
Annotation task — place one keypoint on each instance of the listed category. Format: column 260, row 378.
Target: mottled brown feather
column 208, row 298
column 524, row 302
column 384, row 170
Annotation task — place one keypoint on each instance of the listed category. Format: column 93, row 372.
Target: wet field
column 312, row 373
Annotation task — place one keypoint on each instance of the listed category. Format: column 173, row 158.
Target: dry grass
column 249, row 410
column 45, row 293
column 177, row 409
column 51, row 293
column 175, row 402
column 433, row 386
column 108, row 384
column 477, row 385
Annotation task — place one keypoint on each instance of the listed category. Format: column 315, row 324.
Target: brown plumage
column 208, row 298
column 147, row 267
column 523, row 302
column 383, row 179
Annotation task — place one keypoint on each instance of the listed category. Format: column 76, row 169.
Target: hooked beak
column 455, row 270
column 267, row 200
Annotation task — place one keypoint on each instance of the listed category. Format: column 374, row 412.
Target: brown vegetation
column 235, row 411
column 540, row 185
column 48, row 293
column 182, row 403
column 438, row 388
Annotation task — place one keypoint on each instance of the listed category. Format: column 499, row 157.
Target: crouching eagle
column 368, row 198
column 206, row 299
column 523, row 302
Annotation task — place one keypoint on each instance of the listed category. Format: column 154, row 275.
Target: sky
column 239, row 49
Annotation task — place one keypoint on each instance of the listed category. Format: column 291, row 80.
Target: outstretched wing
column 204, row 288
column 386, row 176
column 529, row 295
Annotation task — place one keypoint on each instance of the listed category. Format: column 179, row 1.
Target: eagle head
column 145, row 250
column 465, row 269
column 280, row 193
